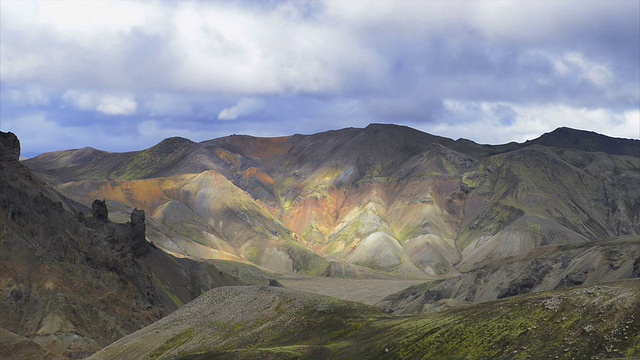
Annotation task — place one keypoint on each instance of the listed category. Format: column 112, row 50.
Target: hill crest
column 388, row 198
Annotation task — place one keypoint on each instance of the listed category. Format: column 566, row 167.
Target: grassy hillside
column 260, row 322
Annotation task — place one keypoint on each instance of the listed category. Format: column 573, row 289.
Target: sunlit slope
column 205, row 216
column 262, row 322
column 386, row 197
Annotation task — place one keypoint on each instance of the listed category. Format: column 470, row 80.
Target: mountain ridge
column 387, row 197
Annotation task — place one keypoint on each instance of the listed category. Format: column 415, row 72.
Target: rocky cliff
column 73, row 281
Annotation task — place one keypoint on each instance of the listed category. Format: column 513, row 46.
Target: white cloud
column 352, row 61
column 117, row 105
column 484, row 121
column 244, row 107
column 199, row 46
column 109, row 104
column 518, row 21
column 597, row 73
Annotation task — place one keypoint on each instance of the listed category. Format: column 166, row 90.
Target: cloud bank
column 492, row 71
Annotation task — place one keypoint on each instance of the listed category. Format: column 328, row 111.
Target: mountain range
column 553, row 218
column 384, row 198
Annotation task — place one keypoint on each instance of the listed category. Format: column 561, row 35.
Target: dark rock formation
column 574, row 279
column 9, row 147
column 99, row 210
column 137, row 217
column 70, row 285
column 139, row 244
column 636, row 268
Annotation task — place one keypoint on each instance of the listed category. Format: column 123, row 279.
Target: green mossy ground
column 174, row 342
column 599, row 321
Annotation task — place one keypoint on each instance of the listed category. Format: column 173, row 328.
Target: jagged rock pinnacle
column 9, row 147
column 99, row 210
column 139, row 244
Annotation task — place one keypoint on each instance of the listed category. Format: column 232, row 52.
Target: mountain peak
column 173, row 143
column 582, row 140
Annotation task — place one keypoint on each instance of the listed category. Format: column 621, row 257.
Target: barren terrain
column 366, row 291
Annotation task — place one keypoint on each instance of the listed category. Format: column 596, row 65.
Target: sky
column 123, row 75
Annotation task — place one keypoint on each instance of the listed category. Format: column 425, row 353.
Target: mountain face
column 389, row 198
column 544, row 268
column 72, row 281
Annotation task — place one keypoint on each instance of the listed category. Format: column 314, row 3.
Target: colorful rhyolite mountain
column 384, row 198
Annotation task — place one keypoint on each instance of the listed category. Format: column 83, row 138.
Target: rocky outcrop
column 541, row 269
column 139, row 244
column 71, row 283
column 9, row 147
column 99, row 210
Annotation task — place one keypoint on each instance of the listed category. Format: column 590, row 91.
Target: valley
column 259, row 322
column 366, row 291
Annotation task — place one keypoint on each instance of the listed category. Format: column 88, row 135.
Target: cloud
column 117, row 105
column 244, row 107
column 321, row 48
column 198, row 46
column 109, row 104
column 529, row 22
column 502, row 122
column 596, row 73
column 304, row 66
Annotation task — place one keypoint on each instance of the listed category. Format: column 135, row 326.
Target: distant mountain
column 72, row 281
column 386, row 197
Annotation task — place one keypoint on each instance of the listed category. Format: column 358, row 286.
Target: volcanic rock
column 9, row 147
column 139, row 244
column 99, row 210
